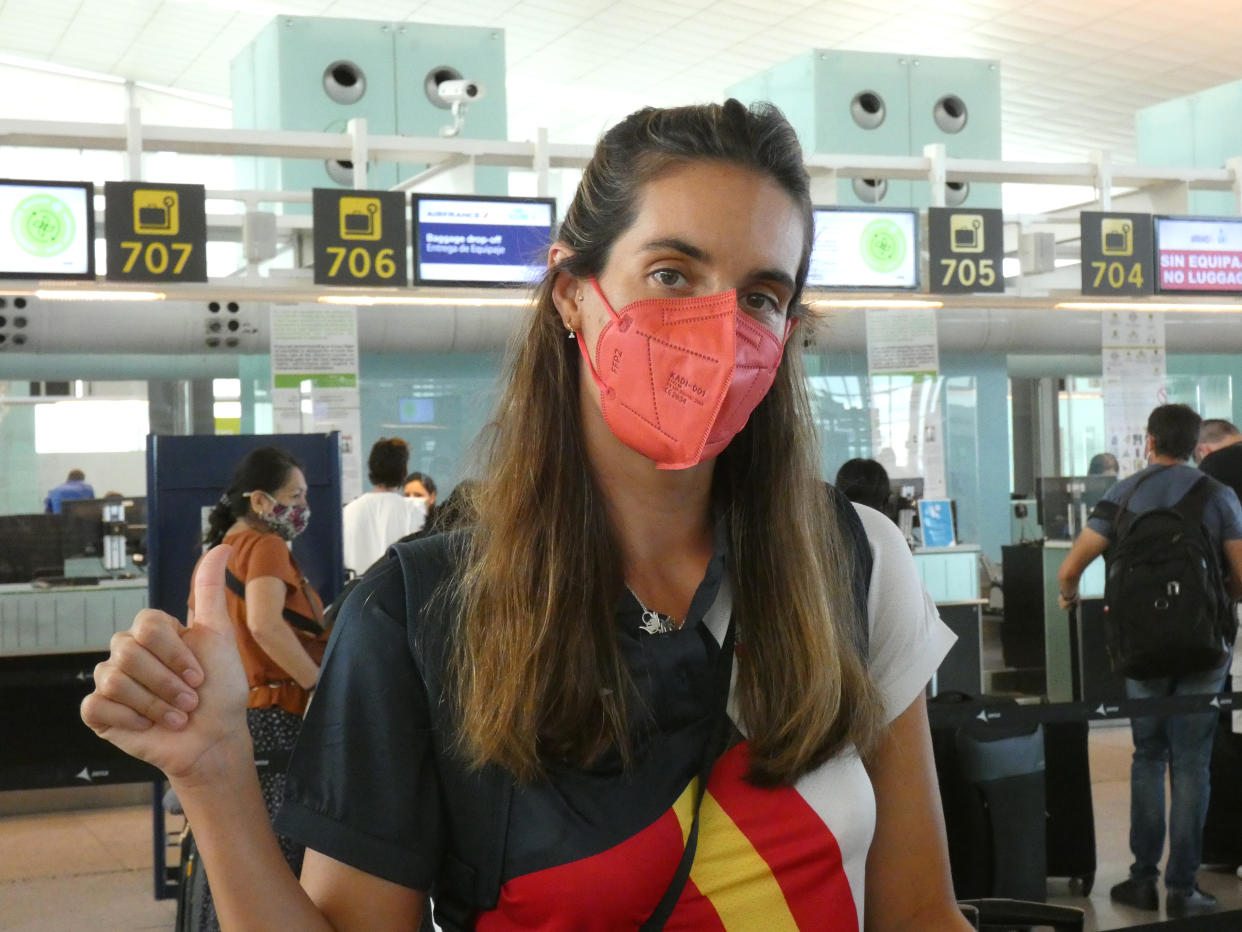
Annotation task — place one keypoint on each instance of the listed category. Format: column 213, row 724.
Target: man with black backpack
column 1172, row 542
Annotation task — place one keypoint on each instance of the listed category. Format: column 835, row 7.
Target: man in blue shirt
column 1180, row 743
column 73, row 487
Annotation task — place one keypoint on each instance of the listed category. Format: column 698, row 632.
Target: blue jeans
column 1182, row 746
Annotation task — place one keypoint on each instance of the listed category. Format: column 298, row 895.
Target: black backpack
column 1166, row 611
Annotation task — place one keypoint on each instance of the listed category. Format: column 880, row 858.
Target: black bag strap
column 297, row 619
column 1123, row 515
column 712, row 749
column 1194, row 503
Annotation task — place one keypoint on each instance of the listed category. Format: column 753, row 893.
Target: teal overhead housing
column 870, row 103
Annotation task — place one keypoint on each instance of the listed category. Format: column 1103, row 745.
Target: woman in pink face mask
column 665, row 682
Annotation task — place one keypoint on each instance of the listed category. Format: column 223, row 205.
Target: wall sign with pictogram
column 156, row 232
column 1117, row 254
column 360, row 237
column 966, row 250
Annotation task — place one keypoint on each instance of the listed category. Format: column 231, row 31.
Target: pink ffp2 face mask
column 679, row 377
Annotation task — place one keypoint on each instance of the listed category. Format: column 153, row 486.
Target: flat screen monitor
column 908, row 487
column 469, row 240
column 1196, row 255
column 1064, row 502
column 47, row 229
column 30, row 546
column 865, row 249
column 83, row 527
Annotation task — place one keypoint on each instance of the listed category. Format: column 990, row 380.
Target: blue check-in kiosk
column 186, row 475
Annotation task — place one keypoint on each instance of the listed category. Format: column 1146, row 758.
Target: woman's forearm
column 282, row 645
column 251, row 883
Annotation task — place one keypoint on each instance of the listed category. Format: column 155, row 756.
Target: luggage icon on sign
column 1116, row 237
column 360, row 218
column 156, row 212
column 966, row 233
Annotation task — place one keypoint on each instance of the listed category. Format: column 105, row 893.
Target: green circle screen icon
column 883, row 245
column 43, row 225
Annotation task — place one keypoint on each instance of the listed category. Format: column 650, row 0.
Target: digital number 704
column 1115, row 274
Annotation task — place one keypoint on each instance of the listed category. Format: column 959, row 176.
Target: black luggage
column 991, row 780
column 1071, row 812
column 191, row 886
column 1222, row 832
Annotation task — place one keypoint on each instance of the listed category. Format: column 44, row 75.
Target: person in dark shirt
column 1102, row 464
column 1178, row 746
column 1219, row 453
column 73, row 488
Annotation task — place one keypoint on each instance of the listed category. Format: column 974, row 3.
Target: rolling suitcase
column 1222, row 831
column 1071, row 812
column 992, row 787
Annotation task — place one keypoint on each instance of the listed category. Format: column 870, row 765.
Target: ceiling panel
column 1073, row 72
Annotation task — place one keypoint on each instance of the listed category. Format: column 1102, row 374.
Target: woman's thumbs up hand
column 175, row 696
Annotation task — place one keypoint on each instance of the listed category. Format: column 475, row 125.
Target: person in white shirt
column 379, row 518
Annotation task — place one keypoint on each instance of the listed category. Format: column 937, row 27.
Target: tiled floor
column 91, row 869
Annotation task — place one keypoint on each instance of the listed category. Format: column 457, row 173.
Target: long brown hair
column 538, row 671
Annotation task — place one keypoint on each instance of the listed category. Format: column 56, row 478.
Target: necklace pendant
column 655, row 623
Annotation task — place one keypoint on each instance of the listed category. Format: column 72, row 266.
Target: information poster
column 315, row 380
column 156, row 232
column 1117, row 256
column 903, row 361
column 360, row 237
column 966, row 250
column 1134, row 382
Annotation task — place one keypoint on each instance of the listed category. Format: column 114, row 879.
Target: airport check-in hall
column 270, row 274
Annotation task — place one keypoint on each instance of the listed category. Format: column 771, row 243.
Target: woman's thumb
column 210, row 607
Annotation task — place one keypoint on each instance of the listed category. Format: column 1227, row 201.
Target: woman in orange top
column 277, row 615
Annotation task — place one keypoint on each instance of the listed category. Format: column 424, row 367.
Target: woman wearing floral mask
column 277, row 617
column 666, row 681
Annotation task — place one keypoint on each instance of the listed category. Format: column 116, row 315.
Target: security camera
column 460, row 92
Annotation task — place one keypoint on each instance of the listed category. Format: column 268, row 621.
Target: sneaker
column 1189, row 902
column 1141, row 894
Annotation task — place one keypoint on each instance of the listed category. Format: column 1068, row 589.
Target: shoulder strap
column 296, row 619
column 1123, row 514
column 1194, row 502
column 863, row 561
column 712, row 749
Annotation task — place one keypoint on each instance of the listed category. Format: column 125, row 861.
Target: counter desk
column 50, row 641
column 1066, row 649
column 951, row 576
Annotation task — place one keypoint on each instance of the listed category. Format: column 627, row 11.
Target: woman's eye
column 669, row 278
column 760, row 303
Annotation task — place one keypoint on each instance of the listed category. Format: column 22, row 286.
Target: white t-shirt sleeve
column 908, row 639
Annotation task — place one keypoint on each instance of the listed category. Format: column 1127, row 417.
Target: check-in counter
column 1066, row 649
column 1075, row 655
column 951, row 577
column 68, row 619
column 50, row 641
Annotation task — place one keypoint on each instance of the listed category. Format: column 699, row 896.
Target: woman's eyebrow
column 679, row 245
column 778, row 276
column 691, row 251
